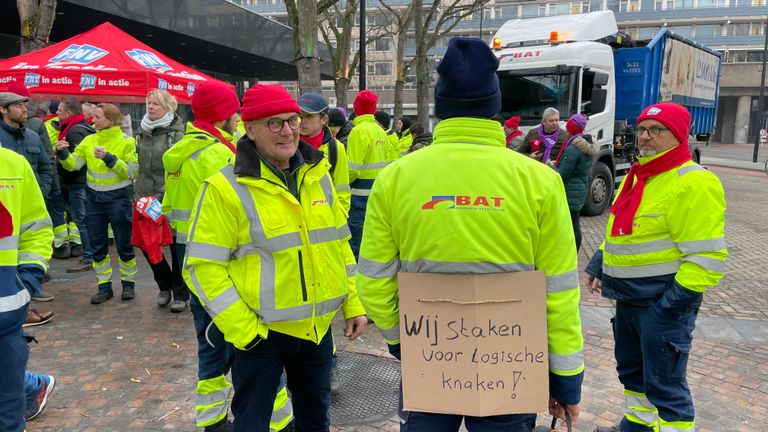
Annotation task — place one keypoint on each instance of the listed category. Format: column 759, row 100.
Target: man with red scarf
column 72, row 129
column 664, row 247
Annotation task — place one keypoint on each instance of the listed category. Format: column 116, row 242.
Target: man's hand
column 61, row 145
column 536, row 155
column 594, row 285
column 558, row 410
column 355, row 326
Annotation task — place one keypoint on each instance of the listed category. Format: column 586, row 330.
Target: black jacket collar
column 248, row 160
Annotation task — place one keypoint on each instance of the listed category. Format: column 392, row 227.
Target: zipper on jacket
column 303, row 281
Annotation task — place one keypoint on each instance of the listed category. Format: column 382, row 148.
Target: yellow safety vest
column 99, row 176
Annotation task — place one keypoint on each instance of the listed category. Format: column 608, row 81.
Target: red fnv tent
column 104, row 64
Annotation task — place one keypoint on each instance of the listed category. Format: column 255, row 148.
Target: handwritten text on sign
column 474, row 344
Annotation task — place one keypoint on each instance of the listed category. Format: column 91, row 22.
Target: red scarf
column 562, row 149
column 513, row 135
column 66, row 124
column 315, row 141
column 211, row 129
column 631, row 193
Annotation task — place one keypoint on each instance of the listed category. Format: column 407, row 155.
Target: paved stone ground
column 127, row 366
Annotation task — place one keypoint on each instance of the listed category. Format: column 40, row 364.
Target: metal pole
column 482, row 10
column 363, row 68
column 760, row 122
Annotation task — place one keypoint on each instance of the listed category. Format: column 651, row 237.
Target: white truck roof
column 579, row 27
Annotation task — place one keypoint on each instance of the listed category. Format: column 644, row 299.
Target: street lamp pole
column 760, row 122
column 363, row 69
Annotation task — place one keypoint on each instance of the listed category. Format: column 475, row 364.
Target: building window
column 647, row 33
column 681, row 30
column 756, row 29
column 629, row 5
column 530, row 10
column 755, row 57
column 711, row 3
column 741, row 29
column 380, row 68
column 759, row 2
column 708, row 30
column 382, row 44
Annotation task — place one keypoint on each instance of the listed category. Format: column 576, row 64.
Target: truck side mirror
column 599, row 97
column 600, row 79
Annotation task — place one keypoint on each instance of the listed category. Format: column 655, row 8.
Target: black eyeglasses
column 652, row 131
column 276, row 124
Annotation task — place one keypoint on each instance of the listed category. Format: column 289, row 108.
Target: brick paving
column 127, row 366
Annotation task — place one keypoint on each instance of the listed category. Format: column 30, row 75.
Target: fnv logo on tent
column 162, row 84
column 464, row 202
column 78, row 55
column 148, row 59
column 87, row 82
column 32, row 79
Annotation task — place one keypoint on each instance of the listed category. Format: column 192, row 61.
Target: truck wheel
column 600, row 190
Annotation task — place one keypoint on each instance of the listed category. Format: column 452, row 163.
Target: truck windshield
column 527, row 94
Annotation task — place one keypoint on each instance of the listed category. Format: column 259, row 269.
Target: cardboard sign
column 474, row 344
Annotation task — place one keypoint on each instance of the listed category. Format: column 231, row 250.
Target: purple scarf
column 549, row 141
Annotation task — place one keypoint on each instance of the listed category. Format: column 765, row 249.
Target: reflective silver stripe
column 295, row 313
column 79, row 162
column 424, row 265
column 351, row 270
column 368, row 166
column 325, row 184
column 329, row 306
column 103, row 268
column 127, row 268
column 132, row 168
column 323, row 235
column 360, row 192
column 671, row 428
column 639, row 248
column 697, row 246
column 212, row 398
column 392, row 333
column 31, row 256
column 284, row 413
column 638, row 401
column 642, row 408
column 342, row 188
column 179, row 215
column 211, row 414
column 181, row 237
column 102, row 176
column 9, row 243
column 109, row 187
column 344, row 232
column 196, row 154
column 566, row 362
column 707, row 263
column 563, row 282
column 269, row 246
column 685, row 170
column 36, row 225
column 642, row 271
column 222, row 301
column 208, row 252
column 648, row 417
column 15, row 301
column 377, row 270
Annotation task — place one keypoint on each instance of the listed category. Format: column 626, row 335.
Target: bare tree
column 336, row 27
column 430, row 24
column 36, row 17
column 303, row 18
column 401, row 23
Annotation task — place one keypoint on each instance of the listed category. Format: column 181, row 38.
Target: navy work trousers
column 355, row 222
column 256, row 377
column 652, row 349
column 13, row 364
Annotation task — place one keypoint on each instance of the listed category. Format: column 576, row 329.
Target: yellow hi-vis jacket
column 368, row 152
column 187, row 163
column 677, row 246
column 53, row 133
column 468, row 205
column 113, row 172
column 25, row 245
column 262, row 260
column 340, row 173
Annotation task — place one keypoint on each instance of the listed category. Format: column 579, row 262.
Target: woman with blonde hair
column 110, row 158
column 161, row 128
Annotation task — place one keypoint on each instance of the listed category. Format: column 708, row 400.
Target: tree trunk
column 308, row 61
column 422, row 71
column 401, row 65
column 36, row 18
column 340, row 86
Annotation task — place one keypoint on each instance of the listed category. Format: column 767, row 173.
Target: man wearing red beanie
column 269, row 259
column 514, row 135
column 205, row 148
column 664, row 246
column 369, row 152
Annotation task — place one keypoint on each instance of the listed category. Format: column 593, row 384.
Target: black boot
column 102, row 296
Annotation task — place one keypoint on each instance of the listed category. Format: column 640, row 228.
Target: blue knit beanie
column 467, row 85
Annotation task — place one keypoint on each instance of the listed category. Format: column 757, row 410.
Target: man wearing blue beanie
column 524, row 226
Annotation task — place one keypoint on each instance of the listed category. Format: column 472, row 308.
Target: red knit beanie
column 576, row 124
column 261, row 101
column 18, row 88
column 675, row 117
column 365, row 103
column 512, row 122
column 213, row 102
